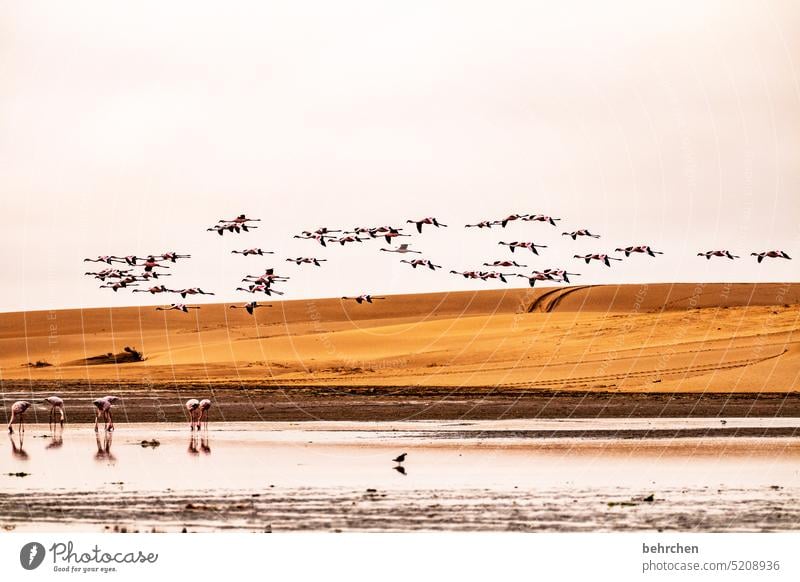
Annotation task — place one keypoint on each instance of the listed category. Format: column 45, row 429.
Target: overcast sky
column 128, row 127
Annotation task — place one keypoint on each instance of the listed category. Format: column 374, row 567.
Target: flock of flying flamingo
column 153, row 266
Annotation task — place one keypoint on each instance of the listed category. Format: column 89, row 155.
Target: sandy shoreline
column 164, row 402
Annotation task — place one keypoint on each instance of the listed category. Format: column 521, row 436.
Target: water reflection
column 199, row 443
column 104, row 448
column 193, row 442
column 17, row 450
column 56, row 441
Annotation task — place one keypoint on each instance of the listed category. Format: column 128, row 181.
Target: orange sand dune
column 664, row 337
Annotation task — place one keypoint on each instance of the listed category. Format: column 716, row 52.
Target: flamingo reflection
column 17, row 450
column 193, row 442
column 104, row 448
column 56, row 441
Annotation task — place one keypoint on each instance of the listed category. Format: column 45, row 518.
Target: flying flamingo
column 147, row 275
column 535, row 276
column 639, row 249
column 18, row 413
column 260, row 289
column 722, row 253
column 172, row 256
column 771, row 254
column 205, row 404
column 503, row 222
column 221, row 228
column 560, row 273
column 192, row 406
column 151, row 263
column 118, row 285
column 429, row 220
column 249, row 307
column 153, row 290
column 307, row 260
column 540, row 218
column 103, row 408
column 267, row 278
column 503, row 264
column 320, row 238
column 467, row 274
column 421, row 263
column 177, row 307
column 192, row 291
column 320, row 231
column 393, row 233
column 130, row 260
column 56, row 409
column 342, row 240
column 605, row 259
column 482, row 224
column 523, row 245
column 582, row 232
column 101, row 259
column 402, row 249
column 486, row 275
column 362, row 298
column 247, row 252
column 240, row 220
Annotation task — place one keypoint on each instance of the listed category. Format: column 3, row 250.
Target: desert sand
column 638, row 338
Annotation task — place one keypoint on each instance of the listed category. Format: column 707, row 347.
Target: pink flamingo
column 639, row 249
column 503, row 264
column 429, row 220
column 173, row 256
column 249, row 307
column 771, row 254
column 56, row 409
column 192, row 406
column 503, row 222
column 603, row 258
column 177, row 307
column 18, row 413
column 421, row 263
column 247, row 252
column 722, row 253
column 582, row 232
column 205, row 404
column 153, row 290
column 103, row 408
column 307, row 261
column 482, row 224
column 523, row 245
column 540, row 218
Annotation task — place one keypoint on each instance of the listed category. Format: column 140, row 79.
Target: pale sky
column 128, row 127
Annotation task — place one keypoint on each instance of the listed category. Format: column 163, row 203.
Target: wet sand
column 163, row 402
column 519, row 475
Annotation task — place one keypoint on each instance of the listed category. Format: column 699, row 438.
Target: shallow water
column 458, row 476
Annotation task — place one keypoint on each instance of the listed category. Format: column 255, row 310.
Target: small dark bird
column 400, row 459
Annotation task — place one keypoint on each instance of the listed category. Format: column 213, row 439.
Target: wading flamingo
column 192, row 406
column 103, row 408
column 56, row 409
column 205, row 404
column 18, row 410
